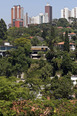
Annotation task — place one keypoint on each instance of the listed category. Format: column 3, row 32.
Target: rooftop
column 62, row 43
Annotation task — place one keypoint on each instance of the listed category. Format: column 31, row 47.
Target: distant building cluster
column 66, row 13
column 18, row 19
column 17, row 16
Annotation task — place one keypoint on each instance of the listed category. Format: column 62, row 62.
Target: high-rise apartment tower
column 17, row 16
column 74, row 12
column 48, row 9
column 26, row 20
column 65, row 13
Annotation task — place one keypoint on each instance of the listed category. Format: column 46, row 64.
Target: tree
column 74, row 69
column 3, row 30
column 74, row 37
column 49, row 55
column 62, row 22
column 66, row 63
column 24, row 43
column 46, row 71
column 35, row 41
column 66, row 43
column 50, row 38
column 50, row 42
column 74, row 22
column 54, row 22
column 10, row 90
column 44, row 33
column 62, row 37
column 19, row 61
column 5, row 67
column 57, row 63
column 61, row 88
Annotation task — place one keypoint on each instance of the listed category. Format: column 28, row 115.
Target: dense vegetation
column 51, row 78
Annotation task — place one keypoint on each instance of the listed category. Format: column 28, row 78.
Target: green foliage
column 62, row 22
column 25, row 43
column 50, row 38
column 74, row 68
column 10, row 90
column 49, row 55
column 35, row 41
column 44, row 33
column 66, row 63
column 66, row 42
column 5, row 67
column 61, row 88
column 15, row 32
column 74, row 22
column 57, row 63
column 19, row 61
column 46, row 71
column 3, row 30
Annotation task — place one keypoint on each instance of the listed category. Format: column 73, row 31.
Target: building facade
column 39, row 19
column 69, row 14
column 26, row 20
column 38, row 51
column 42, row 17
column 74, row 12
column 65, row 13
column 17, row 16
column 48, row 9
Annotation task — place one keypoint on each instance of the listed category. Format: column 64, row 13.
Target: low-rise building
column 61, row 46
column 38, row 51
column 3, row 48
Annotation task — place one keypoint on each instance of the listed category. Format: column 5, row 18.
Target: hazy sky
column 34, row 7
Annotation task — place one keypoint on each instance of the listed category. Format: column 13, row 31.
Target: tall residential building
column 46, row 19
column 26, row 20
column 48, row 9
column 29, row 20
column 74, row 12
column 17, row 16
column 39, row 19
column 65, row 13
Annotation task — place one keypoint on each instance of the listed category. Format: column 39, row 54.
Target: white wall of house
column 74, row 79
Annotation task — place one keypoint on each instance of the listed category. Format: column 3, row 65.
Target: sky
column 34, row 7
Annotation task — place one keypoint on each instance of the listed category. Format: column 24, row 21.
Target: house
column 61, row 46
column 70, row 35
column 74, row 79
column 3, row 48
column 60, row 27
column 38, row 51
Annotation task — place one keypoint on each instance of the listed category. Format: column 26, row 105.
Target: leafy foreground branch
column 39, row 108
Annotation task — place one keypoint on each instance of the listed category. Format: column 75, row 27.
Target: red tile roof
column 62, row 43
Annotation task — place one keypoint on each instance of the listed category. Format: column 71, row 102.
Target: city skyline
column 34, row 7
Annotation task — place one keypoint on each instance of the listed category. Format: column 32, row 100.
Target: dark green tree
column 50, row 38
column 35, row 41
column 74, row 69
column 61, row 88
column 44, row 34
column 24, row 43
column 62, row 22
column 50, row 42
column 66, row 42
column 3, row 30
column 10, row 90
column 19, row 61
column 66, row 63
column 5, row 67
